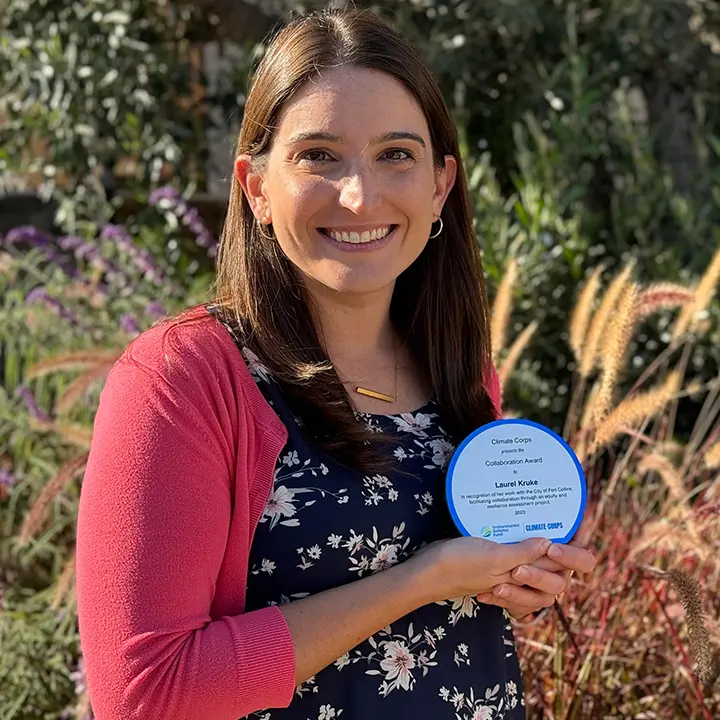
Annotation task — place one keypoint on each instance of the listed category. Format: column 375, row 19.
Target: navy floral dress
column 325, row 526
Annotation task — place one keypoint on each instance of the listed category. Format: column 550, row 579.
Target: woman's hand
column 471, row 566
column 536, row 586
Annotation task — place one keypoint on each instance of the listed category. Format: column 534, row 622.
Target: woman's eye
column 315, row 156
column 398, row 155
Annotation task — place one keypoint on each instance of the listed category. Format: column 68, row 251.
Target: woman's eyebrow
column 331, row 137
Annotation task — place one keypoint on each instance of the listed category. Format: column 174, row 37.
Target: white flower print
column 457, row 699
column 400, row 453
column 385, row 558
column 441, row 449
column 309, row 686
column 483, row 713
column 398, row 663
column 374, row 487
column 304, row 562
column 291, row 459
column 354, row 543
column 468, row 707
column 460, row 656
column 266, row 566
column 314, row 552
column 328, row 712
column 415, row 424
column 342, row 661
column 425, row 502
column 461, row 607
column 257, row 369
column 279, row 504
column 334, row 541
column 385, row 551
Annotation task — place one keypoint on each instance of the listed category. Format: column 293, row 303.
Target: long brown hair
column 439, row 307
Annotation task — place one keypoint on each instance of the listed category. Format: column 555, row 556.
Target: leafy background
column 591, row 139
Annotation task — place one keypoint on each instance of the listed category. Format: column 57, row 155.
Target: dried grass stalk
column 81, row 385
column 666, row 536
column 35, row 518
column 580, row 319
column 688, row 590
column 619, row 333
column 515, row 351
column 72, row 361
column 595, row 333
column 501, row 309
column 64, row 583
column 632, row 411
column 688, row 318
column 654, row 462
column 70, row 432
column 711, row 458
column 83, row 710
column 663, row 296
column 589, row 409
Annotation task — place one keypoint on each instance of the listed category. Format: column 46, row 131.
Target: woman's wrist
column 418, row 576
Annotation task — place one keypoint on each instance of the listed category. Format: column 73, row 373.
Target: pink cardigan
column 181, row 464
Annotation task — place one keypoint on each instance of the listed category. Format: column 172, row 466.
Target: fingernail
column 545, row 545
column 500, row 591
column 484, row 598
column 555, row 551
column 520, row 572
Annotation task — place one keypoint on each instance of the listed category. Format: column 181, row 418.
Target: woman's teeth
column 359, row 238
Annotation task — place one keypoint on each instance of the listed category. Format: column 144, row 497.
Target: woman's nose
column 359, row 192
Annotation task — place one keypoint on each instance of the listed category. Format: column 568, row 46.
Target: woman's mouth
column 367, row 239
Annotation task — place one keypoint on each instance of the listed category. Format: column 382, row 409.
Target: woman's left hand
column 537, row 586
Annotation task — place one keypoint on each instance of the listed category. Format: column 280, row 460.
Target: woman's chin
column 356, row 281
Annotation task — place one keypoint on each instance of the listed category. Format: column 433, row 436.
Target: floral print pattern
column 324, row 526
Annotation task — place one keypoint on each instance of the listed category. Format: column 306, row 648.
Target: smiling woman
column 261, row 529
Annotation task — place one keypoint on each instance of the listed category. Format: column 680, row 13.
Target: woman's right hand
column 471, row 566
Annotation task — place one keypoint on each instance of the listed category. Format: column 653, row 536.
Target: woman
column 262, row 530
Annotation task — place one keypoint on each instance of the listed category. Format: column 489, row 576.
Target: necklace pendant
column 374, row 394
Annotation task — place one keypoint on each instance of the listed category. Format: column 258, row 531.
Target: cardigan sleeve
column 494, row 390
column 152, row 529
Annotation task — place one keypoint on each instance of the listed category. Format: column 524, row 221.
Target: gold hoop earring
column 440, row 230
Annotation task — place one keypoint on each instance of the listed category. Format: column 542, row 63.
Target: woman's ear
column 444, row 181
column 253, row 184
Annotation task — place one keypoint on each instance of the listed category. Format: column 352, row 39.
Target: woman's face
column 349, row 184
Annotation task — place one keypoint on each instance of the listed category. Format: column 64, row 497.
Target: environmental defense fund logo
column 486, row 532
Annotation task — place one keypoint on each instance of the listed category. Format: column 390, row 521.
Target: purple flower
column 142, row 259
column 129, row 324
column 26, row 395
column 155, row 309
column 40, row 295
column 167, row 198
column 85, row 250
column 7, row 479
column 43, row 241
column 78, row 677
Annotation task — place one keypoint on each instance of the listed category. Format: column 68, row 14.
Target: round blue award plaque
column 515, row 479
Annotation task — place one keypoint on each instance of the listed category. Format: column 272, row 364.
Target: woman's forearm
column 327, row 625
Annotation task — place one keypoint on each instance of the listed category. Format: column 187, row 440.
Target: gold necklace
column 378, row 395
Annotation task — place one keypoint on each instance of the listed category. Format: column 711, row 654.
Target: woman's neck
column 354, row 326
